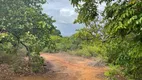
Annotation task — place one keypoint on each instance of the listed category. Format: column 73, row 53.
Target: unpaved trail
column 67, row 67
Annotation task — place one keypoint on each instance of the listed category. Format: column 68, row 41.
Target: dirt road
column 67, row 67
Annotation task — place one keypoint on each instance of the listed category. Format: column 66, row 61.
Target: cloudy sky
column 64, row 14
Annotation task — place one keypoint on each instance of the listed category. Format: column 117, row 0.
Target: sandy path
column 75, row 67
column 67, row 67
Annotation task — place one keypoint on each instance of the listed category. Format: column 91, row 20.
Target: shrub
column 36, row 63
column 7, row 58
column 85, row 52
column 114, row 73
column 21, row 66
column 90, row 51
column 128, row 56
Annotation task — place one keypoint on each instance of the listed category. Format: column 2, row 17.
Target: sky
column 64, row 14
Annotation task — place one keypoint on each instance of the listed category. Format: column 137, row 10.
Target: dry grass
column 6, row 72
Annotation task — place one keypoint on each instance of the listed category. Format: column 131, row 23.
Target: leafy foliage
column 24, row 23
column 121, row 31
column 87, row 10
column 81, row 43
column 37, row 63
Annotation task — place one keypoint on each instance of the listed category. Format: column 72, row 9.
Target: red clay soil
column 67, row 67
column 75, row 66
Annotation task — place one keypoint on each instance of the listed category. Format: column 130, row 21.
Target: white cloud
column 64, row 14
column 67, row 12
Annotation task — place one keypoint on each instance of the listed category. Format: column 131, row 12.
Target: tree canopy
column 121, row 28
column 24, row 23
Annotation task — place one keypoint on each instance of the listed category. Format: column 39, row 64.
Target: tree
column 119, row 14
column 122, row 24
column 25, row 24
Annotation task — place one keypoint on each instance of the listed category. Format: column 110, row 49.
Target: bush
column 85, row 52
column 114, row 73
column 25, row 65
column 21, row 66
column 90, row 51
column 36, row 63
column 128, row 56
column 49, row 50
column 7, row 58
column 16, row 62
